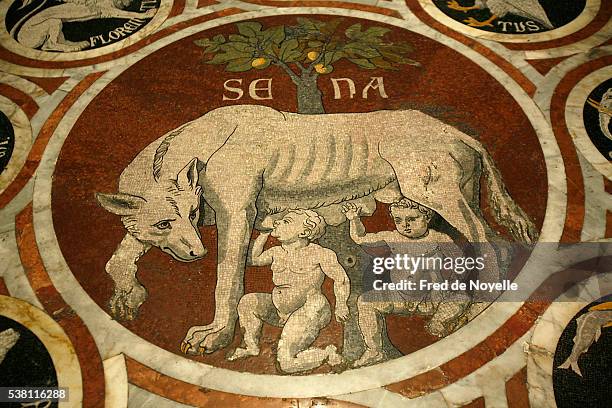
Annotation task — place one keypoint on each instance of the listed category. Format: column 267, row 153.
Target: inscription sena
column 264, row 91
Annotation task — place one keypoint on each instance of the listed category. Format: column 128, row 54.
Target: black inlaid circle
column 597, row 121
column 7, row 141
column 592, row 389
column 99, row 31
column 27, row 363
column 525, row 17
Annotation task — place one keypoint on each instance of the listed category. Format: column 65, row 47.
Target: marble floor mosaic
column 268, row 203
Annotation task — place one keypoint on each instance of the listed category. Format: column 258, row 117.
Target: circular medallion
column 24, row 360
column 583, row 360
column 336, row 80
column 78, row 29
column 597, row 114
column 514, row 21
column 35, row 352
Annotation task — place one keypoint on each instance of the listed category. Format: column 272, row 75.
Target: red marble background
column 173, row 86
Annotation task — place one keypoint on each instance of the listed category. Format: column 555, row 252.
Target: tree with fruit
column 305, row 51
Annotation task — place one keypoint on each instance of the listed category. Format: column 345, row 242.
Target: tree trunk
column 350, row 255
column 310, row 99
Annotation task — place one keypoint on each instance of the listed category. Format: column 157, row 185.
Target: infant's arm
column 360, row 237
column 257, row 256
column 342, row 285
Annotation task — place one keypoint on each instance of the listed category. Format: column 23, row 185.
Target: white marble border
column 23, row 141
column 116, row 382
column 591, row 9
column 546, row 334
column 67, row 368
column 12, row 45
column 113, row 338
column 574, row 119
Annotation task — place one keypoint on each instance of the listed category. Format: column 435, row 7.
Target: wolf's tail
column 506, row 212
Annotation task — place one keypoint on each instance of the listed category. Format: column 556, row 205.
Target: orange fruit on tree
column 257, row 62
column 323, row 69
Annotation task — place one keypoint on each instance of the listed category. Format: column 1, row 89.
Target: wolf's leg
column 233, row 200
column 434, row 178
column 55, row 38
column 128, row 293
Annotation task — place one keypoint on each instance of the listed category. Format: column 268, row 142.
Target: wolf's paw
column 207, row 339
column 124, row 304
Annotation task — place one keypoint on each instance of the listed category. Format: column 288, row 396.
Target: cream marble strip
column 382, row 398
column 190, row 5
column 56, row 342
column 113, row 338
column 516, row 58
column 14, row 207
column 585, row 45
column 489, row 380
column 52, row 101
column 12, row 271
column 12, row 45
column 546, row 334
column 116, row 382
column 27, row 87
column 202, row 11
column 139, row 398
column 588, row 14
column 597, row 202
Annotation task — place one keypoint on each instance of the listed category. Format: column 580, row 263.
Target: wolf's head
column 166, row 216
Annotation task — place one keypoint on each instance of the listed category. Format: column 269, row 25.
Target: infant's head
column 295, row 224
column 411, row 219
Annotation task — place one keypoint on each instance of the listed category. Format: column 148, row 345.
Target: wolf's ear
column 188, row 176
column 120, row 203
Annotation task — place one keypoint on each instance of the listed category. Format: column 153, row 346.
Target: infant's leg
column 372, row 324
column 253, row 310
column 300, row 331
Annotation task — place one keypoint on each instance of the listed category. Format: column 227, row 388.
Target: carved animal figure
column 500, row 8
column 8, row 338
column 588, row 331
column 44, row 29
column 605, row 111
column 247, row 162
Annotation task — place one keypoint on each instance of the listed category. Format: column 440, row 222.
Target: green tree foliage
column 309, row 45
